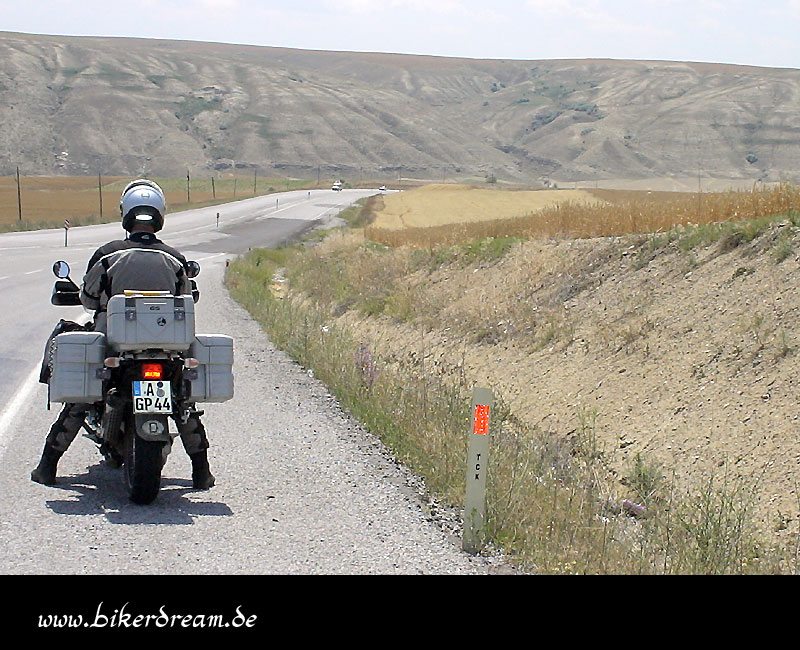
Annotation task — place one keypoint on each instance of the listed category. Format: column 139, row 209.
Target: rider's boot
column 202, row 478
column 59, row 438
column 45, row 471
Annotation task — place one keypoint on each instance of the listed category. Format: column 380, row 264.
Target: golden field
column 48, row 200
column 443, row 215
column 439, row 205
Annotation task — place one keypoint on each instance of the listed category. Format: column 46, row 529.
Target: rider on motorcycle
column 141, row 262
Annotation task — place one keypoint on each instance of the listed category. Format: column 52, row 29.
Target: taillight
column 152, row 371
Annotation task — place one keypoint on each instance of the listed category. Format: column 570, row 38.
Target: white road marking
column 14, row 405
column 20, row 399
column 209, row 257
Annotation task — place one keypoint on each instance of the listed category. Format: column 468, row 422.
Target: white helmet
column 149, row 198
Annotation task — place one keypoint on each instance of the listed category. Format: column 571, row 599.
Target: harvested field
column 439, row 205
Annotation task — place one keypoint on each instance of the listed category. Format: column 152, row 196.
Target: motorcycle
column 147, row 367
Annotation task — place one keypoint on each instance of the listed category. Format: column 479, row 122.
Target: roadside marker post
column 66, row 230
column 477, row 466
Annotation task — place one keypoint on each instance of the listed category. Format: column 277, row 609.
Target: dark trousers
column 70, row 420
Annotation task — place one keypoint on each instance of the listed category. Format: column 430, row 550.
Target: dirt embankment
column 688, row 359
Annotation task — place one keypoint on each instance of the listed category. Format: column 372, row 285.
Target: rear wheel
column 143, row 462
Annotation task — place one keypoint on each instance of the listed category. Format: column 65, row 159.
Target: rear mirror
column 192, row 269
column 61, row 269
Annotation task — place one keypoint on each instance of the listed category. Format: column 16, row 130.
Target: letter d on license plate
column 152, row 397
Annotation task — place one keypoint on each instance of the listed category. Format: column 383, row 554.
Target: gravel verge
column 329, row 493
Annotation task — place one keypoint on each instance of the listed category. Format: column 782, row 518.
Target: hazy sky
column 755, row 32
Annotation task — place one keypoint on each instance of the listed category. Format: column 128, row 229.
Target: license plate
column 152, row 397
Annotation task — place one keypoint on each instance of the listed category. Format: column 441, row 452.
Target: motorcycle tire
column 142, row 466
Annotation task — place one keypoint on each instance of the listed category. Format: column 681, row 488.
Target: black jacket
column 140, row 263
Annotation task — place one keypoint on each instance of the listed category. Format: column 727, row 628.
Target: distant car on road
column 337, row 186
column 382, row 188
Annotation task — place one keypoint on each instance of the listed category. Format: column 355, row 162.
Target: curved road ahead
column 301, row 489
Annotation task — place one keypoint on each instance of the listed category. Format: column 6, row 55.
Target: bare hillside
column 127, row 106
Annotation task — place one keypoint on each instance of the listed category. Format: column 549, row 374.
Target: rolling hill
column 83, row 105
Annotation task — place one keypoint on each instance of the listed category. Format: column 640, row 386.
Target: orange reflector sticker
column 480, row 421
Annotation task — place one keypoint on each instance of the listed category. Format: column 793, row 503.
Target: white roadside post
column 477, row 465
column 66, row 230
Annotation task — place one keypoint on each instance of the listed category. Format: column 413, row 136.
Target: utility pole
column 19, row 196
column 100, row 193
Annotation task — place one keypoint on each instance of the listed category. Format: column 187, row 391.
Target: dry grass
column 613, row 213
column 551, row 502
column 400, row 334
column 47, row 201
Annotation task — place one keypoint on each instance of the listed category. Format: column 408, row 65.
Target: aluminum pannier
column 214, row 380
column 150, row 319
column 76, row 358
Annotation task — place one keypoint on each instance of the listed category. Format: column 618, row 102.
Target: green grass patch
column 191, row 107
column 477, row 251
column 726, row 235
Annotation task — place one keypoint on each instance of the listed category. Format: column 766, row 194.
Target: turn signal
column 152, row 371
column 190, row 362
column 111, row 362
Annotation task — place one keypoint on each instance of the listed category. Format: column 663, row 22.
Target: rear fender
column 152, row 426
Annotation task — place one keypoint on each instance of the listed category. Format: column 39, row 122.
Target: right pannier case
column 214, row 381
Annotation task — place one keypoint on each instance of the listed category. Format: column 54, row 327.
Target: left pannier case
column 77, row 356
